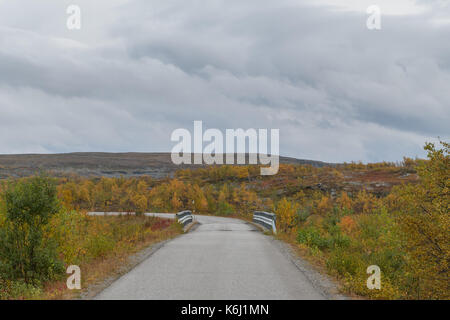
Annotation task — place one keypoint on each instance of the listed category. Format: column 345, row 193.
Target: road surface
column 222, row 259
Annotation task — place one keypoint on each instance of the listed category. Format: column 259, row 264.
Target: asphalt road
column 222, row 259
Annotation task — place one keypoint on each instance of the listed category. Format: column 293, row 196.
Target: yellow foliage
column 365, row 202
column 324, row 205
column 286, row 212
column 424, row 217
column 344, row 201
column 175, row 202
column 140, row 202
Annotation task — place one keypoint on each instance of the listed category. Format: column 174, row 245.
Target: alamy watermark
column 374, row 19
column 74, row 19
column 374, row 281
column 74, row 280
column 235, row 143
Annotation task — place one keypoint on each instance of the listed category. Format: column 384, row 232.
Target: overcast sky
column 138, row 69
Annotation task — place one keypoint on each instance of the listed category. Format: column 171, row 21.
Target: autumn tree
column 423, row 214
column 286, row 212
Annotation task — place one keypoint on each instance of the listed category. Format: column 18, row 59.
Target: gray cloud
column 139, row 69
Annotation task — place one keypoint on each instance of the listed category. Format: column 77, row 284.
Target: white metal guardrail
column 185, row 217
column 266, row 219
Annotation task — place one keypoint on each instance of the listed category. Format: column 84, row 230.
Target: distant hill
column 99, row 164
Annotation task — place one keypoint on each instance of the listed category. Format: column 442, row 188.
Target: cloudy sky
column 138, row 69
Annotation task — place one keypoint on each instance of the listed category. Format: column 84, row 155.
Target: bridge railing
column 266, row 220
column 185, row 217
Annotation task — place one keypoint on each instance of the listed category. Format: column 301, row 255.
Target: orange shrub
column 347, row 225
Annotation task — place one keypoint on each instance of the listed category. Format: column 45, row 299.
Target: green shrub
column 100, row 246
column 344, row 262
column 24, row 252
column 225, row 208
column 331, row 220
column 371, row 227
column 390, row 260
column 18, row 290
column 303, row 215
column 339, row 240
column 312, row 237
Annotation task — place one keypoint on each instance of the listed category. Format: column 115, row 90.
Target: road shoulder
column 133, row 261
column 321, row 282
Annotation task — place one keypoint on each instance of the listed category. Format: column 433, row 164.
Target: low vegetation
column 405, row 233
column 39, row 239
